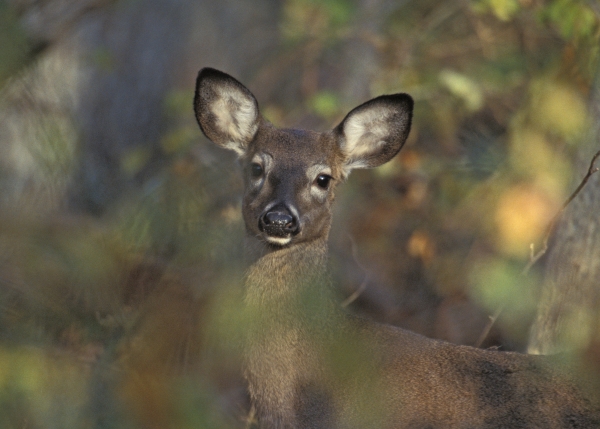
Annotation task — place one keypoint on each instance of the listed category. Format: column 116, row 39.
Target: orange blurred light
column 522, row 214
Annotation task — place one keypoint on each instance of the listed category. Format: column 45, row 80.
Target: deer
column 308, row 362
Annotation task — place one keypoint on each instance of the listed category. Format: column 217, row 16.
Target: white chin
column 278, row 241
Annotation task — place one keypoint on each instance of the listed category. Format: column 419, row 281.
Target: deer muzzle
column 278, row 222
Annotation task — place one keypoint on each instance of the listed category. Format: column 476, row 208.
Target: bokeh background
column 120, row 229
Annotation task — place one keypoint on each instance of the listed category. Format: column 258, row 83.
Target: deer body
column 308, row 363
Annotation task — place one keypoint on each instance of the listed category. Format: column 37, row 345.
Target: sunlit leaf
column 504, row 10
column 559, row 108
column 574, row 18
column 463, row 87
column 533, row 156
column 324, row 103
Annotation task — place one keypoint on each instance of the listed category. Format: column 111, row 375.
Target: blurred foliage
column 106, row 322
column 312, row 19
column 14, row 43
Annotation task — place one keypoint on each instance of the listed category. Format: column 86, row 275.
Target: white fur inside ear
column 364, row 133
column 236, row 116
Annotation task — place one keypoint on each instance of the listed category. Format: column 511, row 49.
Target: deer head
column 289, row 174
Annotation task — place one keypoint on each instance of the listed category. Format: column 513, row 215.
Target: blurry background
column 120, row 231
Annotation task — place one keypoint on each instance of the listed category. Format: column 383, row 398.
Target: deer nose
column 278, row 222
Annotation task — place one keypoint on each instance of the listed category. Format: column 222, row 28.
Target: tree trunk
column 137, row 53
column 569, row 309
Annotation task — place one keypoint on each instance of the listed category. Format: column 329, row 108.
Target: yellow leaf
column 464, row 88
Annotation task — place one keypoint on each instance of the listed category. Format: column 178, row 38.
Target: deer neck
column 291, row 315
column 276, row 273
column 286, row 277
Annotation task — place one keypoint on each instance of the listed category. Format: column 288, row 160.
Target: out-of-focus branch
column 552, row 225
column 488, row 326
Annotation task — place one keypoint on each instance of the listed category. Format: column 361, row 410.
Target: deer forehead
column 307, row 150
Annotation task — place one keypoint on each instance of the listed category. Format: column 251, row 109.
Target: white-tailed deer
column 308, row 363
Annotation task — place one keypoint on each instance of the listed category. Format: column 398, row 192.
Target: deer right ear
column 226, row 110
column 374, row 132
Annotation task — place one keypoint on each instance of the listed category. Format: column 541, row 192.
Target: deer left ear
column 374, row 132
column 226, row 110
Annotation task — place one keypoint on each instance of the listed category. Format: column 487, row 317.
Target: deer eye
column 323, row 181
column 256, row 170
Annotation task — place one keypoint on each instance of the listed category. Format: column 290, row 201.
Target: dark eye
column 323, row 181
column 256, row 170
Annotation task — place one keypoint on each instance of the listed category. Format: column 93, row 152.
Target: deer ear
column 226, row 110
column 374, row 132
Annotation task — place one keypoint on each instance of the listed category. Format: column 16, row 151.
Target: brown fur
column 308, row 363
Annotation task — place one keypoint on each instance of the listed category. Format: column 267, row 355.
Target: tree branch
column 552, row 225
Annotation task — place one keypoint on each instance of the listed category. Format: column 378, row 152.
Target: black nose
column 278, row 222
